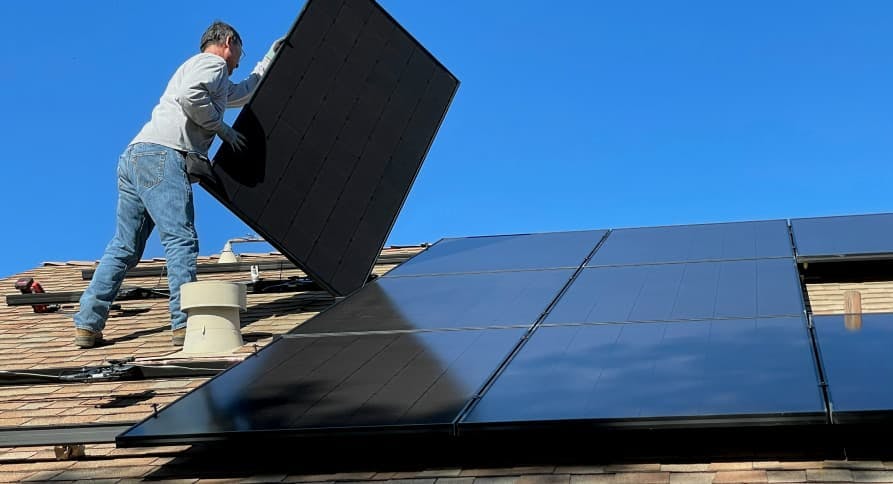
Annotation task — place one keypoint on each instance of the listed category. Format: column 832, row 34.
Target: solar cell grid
column 857, row 362
column 337, row 132
column 673, row 292
column 743, row 371
column 353, row 383
column 690, row 243
column 868, row 236
column 443, row 302
column 503, row 253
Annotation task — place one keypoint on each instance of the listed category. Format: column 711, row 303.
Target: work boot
column 86, row 338
column 178, row 336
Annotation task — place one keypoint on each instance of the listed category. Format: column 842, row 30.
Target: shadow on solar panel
column 337, row 132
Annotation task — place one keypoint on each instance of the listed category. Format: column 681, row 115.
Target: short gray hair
column 217, row 34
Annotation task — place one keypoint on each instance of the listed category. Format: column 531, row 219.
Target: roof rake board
column 337, row 132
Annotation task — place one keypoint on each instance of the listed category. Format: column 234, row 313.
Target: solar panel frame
column 514, row 252
column 345, row 385
column 695, row 243
column 843, row 237
column 684, row 291
column 452, row 301
column 342, row 147
column 553, row 381
column 855, row 361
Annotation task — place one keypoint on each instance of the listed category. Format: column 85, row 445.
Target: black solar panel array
column 488, row 333
column 337, row 131
column 665, row 325
column 406, row 353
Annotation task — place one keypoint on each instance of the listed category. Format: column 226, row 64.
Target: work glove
column 277, row 44
column 235, row 139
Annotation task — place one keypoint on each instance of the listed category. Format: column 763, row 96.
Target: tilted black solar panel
column 337, row 132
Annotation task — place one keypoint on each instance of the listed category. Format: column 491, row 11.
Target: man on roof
column 154, row 187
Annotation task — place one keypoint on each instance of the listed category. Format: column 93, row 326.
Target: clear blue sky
column 571, row 114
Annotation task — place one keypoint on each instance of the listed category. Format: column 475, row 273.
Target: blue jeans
column 153, row 189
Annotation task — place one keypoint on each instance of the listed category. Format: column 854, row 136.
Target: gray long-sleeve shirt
column 190, row 111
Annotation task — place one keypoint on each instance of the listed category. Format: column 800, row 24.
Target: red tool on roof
column 29, row 286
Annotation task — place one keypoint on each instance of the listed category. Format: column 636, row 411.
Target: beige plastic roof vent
column 212, row 309
column 227, row 255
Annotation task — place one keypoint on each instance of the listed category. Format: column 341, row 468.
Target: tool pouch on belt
column 198, row 167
